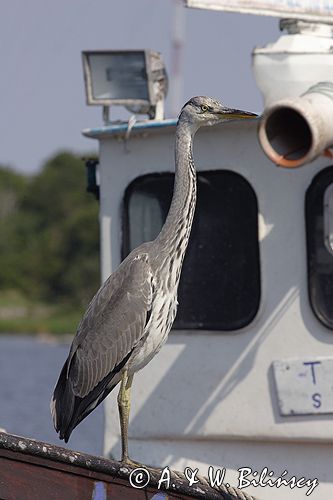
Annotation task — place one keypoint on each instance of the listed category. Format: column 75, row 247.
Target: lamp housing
column 132, row 78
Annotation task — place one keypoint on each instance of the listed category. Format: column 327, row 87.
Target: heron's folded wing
column 112, row 325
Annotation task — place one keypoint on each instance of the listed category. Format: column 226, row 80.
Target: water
column 29, row 369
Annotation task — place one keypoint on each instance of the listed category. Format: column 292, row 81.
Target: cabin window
column 319, row 233
column 220, row 283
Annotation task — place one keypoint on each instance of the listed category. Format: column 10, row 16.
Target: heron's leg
column 124, row 406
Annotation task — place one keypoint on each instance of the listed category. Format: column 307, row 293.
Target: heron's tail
column 68, row 409
column 62, row 404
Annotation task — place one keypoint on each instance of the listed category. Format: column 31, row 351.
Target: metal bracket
column 92, row 185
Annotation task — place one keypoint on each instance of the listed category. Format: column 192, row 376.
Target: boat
column 31, row 470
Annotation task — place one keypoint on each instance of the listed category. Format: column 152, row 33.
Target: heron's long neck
column 175, row 233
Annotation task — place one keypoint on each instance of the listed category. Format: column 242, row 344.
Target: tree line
column 49, row 232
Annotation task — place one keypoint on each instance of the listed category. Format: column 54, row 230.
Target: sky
column 43, row 107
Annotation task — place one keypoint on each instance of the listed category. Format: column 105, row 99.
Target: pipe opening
column 288, row 134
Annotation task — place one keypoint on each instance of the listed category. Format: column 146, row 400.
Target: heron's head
column 201, row 111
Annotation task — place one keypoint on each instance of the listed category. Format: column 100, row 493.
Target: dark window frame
column 314, row 208
column 125, row 247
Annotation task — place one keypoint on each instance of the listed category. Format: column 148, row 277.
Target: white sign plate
column 304, row 386
column 312, row 10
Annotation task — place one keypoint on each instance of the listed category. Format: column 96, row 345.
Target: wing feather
column 112, row 325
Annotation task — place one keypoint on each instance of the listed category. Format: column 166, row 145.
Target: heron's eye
column 204, row 107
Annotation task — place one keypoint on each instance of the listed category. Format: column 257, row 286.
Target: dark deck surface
column 33, row 470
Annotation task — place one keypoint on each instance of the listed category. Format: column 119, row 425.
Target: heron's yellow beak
column 238, row 114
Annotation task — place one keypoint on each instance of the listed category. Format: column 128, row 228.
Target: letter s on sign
column 316, row 398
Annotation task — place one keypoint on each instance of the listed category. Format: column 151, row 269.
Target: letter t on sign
column 312, row 365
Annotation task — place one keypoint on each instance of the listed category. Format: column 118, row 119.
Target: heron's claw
column 137, row 465
column 131, row 463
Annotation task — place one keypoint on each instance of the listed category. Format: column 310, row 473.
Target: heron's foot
column 137, row 465
column 131, row 463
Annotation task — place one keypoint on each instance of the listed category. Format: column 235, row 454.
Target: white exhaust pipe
column 294, row 131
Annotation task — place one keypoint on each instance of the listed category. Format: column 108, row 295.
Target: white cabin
column 246, row 377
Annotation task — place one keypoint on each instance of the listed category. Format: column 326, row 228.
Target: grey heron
column 131, row 315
